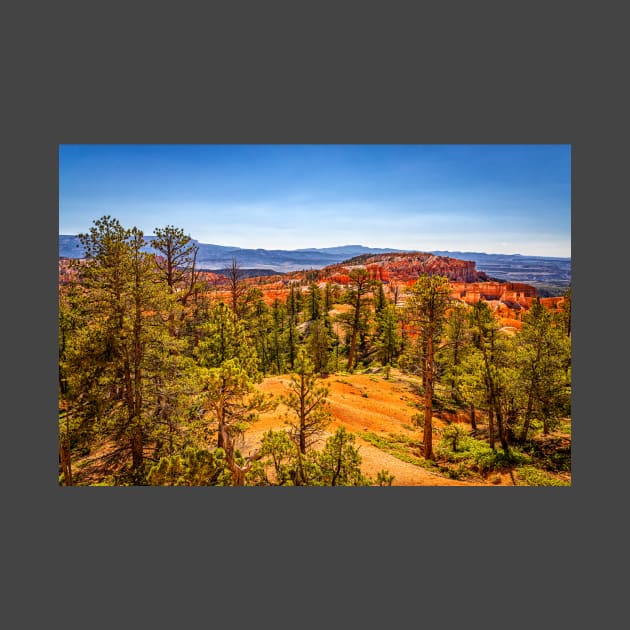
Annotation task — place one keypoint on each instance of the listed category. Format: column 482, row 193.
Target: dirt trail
column 361, row 403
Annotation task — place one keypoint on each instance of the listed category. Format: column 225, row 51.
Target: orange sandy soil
column 389, row 405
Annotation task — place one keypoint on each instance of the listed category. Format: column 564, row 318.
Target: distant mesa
column 548, row 274
column 407, row 266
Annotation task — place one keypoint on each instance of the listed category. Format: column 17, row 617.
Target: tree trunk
column 473, row 423
column 353, row 343
column 300, row 477
column 302, row 414
column 66, row 468
column 501, row 430
column 528, row 415
column 428, row 401
column 137, row 455
column 355, row 329
column 491, row 427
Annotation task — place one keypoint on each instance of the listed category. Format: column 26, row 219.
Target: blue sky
column 483, row 198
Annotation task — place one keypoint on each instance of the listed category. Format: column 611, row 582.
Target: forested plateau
column 398, row 368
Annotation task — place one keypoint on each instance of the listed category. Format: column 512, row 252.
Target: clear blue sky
column 483, row 198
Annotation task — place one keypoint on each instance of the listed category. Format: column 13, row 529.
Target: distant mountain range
column 537, row 270
column 220, row 256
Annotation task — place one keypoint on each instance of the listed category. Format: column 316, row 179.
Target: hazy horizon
column 288, row 249
column 495, row 199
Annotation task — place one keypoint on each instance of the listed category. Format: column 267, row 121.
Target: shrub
column 383, row 478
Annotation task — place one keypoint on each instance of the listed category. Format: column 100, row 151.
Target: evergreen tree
column 234, row 403
column 355, row 321
column 292, row 334
column 339, row 463
column 278, row 447
column 456, row 344
column 307, row 401
column 328, row 298
column 318, row 343
column 427, row 306
column 279, row 330
column 116, row 349
column 388, row 340
column 314, row 301
column 543, row 351
column 193, row 467
column 380, row 301
column 494, row 348
column 260, row 323
column 223, row 337
column 177, row 260
column 237, row 288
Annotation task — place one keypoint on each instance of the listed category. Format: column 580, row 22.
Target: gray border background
column 282, row 72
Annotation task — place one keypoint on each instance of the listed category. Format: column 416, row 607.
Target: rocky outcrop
column 406, row 267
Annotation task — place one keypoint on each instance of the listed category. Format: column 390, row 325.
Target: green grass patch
column 477, row 456
column 400, row 446
column 532, row 476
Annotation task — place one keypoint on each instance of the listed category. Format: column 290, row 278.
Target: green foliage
column 356, row 321
column 319, row 342
column 193, row 467
column 453, row 435
column 232, row 399
column 339, row 462
column 428, row 303
column 116, row 346
column 418, row 418
column 223, row 338
column 314, row 301
column 177, row 258
column 542, row 359
column 307, row 402
column 477, row 455
column 455, row 348
column 532, row 476
column 400, row 446
column 383, row 478
column 388, row 339
column 380, row 301
column 149, row 363
column 280, row 449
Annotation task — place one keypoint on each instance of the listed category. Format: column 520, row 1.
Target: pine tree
column 223, row 337
column 307, row 401
column 339, row 463
column 314, row 301
column 328, row 298
column 319, row 343
column 388, row 340
column 292, row 331
column 279, row 329
column 543, row 351
column 178, row 259
column 495, row 353
column 380, row 301
column 456, row 344
column 123, row 325
column 234, row 403
column 427, row 306
column 356, row 319
column 237, row 288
